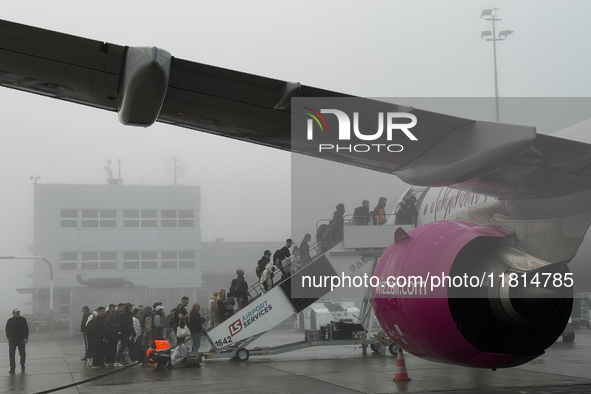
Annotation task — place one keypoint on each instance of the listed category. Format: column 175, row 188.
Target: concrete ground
column 565, row 368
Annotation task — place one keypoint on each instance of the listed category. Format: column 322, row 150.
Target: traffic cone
column 401, row 375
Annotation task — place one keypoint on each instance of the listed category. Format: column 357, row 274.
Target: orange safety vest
column 381, row 216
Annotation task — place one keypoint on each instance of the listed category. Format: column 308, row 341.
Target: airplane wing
column 499, row 160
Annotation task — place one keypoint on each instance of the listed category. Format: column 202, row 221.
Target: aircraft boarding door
column 419, row 193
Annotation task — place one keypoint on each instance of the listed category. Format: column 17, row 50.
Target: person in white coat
column 267, row 277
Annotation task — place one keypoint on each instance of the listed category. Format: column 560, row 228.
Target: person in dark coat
column 280, row 256
column 96, row 334
column 305, row 250
column 406, row 211
column 146, row 333
column 241, row 293
column 327, row 238
column 112, row 309
column 180, row 315
column 339, row 223
column 377, row 216
column 127, row 332
column 85, row 314
column 361, row 214
column 17, row 333
column 112, row 331
column 196, row 326
column 262, row 263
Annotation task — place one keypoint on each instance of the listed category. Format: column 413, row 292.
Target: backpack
column 320, row 232
column 170, row 318
column 259, row 270
column 276, row 260
column 148, row 324
column 381, row 216
column 232, row 289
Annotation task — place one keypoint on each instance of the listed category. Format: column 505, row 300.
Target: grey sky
column 379, row 48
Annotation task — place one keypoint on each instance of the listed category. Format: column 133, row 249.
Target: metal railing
column 256, row 290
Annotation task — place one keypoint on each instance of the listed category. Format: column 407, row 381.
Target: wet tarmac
column 565, row 368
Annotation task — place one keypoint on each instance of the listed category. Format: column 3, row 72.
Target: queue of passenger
column 405, row 213
column 330, row 234
column 111, row 334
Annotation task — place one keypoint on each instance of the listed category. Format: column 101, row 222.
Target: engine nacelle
column 483, row 324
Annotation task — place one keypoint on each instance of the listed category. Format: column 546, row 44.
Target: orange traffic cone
column 401, row 375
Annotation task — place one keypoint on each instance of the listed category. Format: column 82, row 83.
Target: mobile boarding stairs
column 361, row 246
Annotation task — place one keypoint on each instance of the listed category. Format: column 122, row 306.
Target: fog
column 380, row 49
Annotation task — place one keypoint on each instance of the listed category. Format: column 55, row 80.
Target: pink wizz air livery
column 496, row 202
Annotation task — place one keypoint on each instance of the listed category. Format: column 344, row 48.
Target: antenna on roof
column 110, row 179
column 177, row 169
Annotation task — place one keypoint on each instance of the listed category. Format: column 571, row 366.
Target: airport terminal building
column 130, row 241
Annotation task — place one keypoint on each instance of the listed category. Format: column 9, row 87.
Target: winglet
column 400, row 235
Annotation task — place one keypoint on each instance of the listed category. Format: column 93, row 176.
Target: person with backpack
column 327, row 239
column 146, row 326
column 179, row 313
column 379, row 212
column 319, row 235
column 266, row 281
column 239, row 289
column 262, row 263
column 280, row 256
column 157, row 318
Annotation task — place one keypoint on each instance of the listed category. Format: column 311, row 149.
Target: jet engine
column 480, row 301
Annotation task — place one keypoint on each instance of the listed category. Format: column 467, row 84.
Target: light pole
column 50, row 283
column 491, row 15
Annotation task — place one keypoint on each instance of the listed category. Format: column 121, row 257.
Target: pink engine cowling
column 481, row 325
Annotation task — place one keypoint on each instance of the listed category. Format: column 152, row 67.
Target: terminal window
column 69, row 218
column 186, row 259
column 132, row 218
